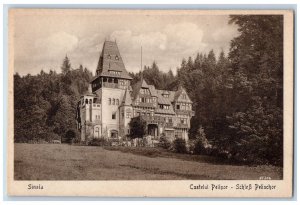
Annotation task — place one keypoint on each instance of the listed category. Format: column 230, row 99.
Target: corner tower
column 110, row 83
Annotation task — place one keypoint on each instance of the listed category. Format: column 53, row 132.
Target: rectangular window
column 183, row 121
column 161, row 106
column 178, row 107
column 128, row 114
column 170, row 120
column 113, row 116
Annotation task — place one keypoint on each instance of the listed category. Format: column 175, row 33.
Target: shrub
column 69, row 136
column 180, row 145
column 164, row 142
column 201, row 144
column 99, row 142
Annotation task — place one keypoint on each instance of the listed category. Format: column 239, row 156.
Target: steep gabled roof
column 153, row 90
column 138, row 86
column 169, row 92
column 178, row 94
column 111, row 60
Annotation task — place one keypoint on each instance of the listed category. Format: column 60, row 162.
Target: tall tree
column 66, row 66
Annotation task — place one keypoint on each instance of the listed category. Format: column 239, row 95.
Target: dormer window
column 113, row 72
column 165, row 94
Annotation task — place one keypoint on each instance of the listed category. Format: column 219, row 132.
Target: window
column 110, row 80
column 109, row 57
column 113, row 116
column 183, row 106
column 167, row 107
column 117, row 102
column 113, row 101
column 86, row 101
column 109, row 101
column 122, row 114
column 161, row 106
column 104, row 80
column 183, row 120
column 138, row 113
column 170, row 120
column 90, row 101
column 178, row 107
column 128, row 114
column 184, row 96
column 117, row 57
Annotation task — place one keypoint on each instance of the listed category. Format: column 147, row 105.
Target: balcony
column 182, row 126
column 110, row 85
column 153, row 119
column 185, row 112
column 169, row 125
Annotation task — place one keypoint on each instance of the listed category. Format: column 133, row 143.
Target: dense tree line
column 237, row 97
column 45, row 104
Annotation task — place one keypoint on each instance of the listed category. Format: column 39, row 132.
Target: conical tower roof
column 110, row 63
column 127, row 99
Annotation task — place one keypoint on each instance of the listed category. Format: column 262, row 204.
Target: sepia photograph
column 197, row 101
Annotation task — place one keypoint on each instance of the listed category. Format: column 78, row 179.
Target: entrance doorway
column 153, row 130
column 114, row 134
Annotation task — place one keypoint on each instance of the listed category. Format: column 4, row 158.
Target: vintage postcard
column 150, row 103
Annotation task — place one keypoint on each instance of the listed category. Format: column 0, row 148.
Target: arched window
column 86, row 101
column 113, row 101
column 117, row 102
column 109, row 101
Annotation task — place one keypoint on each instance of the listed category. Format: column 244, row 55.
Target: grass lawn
column 67, row 162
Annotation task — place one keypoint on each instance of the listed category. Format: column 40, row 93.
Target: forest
column 238, row 96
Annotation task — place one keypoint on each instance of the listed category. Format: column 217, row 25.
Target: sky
column 43, row 39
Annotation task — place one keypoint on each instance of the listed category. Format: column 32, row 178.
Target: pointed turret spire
column 110, row 63
column 127, row 99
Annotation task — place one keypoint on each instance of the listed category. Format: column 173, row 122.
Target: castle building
column 111, row 102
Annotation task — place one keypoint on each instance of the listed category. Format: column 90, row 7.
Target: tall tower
column 110, row 83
